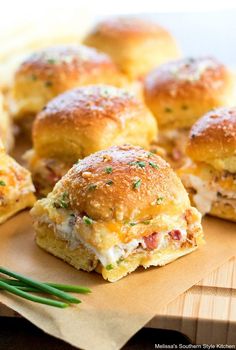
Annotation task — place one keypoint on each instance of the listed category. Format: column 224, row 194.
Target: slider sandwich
column 211, row 177
column 116, row 210
column 180, row 92
column 136, row 45
column 16, row 188
column 83, row 121
column 51, row 71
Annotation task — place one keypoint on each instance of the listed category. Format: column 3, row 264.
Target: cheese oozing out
column 66, row 231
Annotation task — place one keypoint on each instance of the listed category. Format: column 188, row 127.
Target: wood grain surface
column 206, row 313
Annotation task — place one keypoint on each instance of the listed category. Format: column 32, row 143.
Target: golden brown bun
column 180, row 92
column 135, row 186
column 213, row 139
column 49, row 72
column 6, row 131
column 136, row 45
column 114, row 204
column 223, row 210
column 16, row 189
column 88, row 119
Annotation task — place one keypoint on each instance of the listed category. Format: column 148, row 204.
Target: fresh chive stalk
column 40, row 286
column 62, row 287
column 34, row 298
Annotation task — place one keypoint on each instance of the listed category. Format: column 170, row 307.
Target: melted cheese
column 65, row 230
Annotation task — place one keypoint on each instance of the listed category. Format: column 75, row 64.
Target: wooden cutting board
column 206, row 313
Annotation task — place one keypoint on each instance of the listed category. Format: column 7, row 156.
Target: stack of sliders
column 110, row 205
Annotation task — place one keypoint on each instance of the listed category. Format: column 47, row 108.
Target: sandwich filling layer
column 206, row 192
column 175, row 239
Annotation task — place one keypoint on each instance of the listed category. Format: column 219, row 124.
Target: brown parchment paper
column 112, row 313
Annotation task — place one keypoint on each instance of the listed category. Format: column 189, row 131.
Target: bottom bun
column 220, row 209
column 223, row 210
column 83, row 258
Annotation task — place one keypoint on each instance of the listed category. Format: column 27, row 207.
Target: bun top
column 135, row 44
column 123, row 183
column 51, row 71
column 127, row 28
column 181, row 91
column 87, row 119
column 213, row 139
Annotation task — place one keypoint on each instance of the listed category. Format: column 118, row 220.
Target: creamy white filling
column 206, row 192
column 66, row 231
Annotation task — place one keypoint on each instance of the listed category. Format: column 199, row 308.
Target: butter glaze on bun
column 211, row 177
column 180, row 92
column 213, row 139
column 121, row 208
column 87, row 119
column 49, row 72
column 135, row 44
column 83, row 121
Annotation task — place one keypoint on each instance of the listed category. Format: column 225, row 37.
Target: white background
column 201, row 27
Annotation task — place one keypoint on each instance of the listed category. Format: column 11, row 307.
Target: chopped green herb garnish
column 51, row 60
column 48, row 83
column 109, row 182
column 109, row 267
column 150, row 154
column 159, row 200
column 2, row 183
column 146, row 222
column 140, row 164
column 133, row 223
column 92, row 187
column 168, row 110
column 153, row 165
column 137, row 184
column 63, row 202
column 108, row 169
column 87, row 220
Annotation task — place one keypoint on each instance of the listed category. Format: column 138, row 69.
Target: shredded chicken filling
column 156, row 241
column 206, row 193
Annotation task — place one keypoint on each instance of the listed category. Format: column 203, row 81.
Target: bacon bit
column 151, row 241
column 175, row 234
column 188, row 216
column 86, row 174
